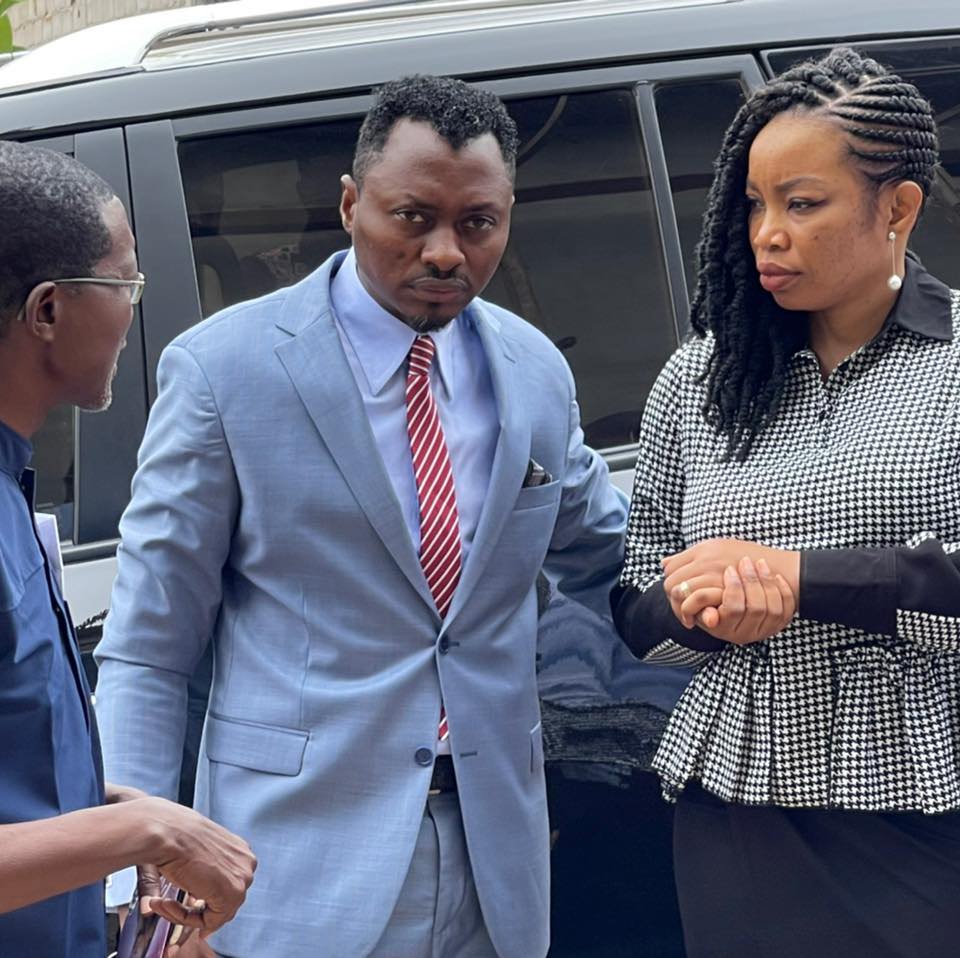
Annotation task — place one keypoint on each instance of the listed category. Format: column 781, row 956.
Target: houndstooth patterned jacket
column 856, row 472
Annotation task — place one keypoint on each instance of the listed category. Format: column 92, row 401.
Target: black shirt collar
column 15, row 451
column 924, row 304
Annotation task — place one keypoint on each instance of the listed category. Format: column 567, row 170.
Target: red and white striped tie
column 439, row 521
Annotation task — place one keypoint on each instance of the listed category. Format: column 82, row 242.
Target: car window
column 263, row 206
column 583, row 263
column 54, row 450
column 938, row 234
column 935, row 68
column 693, row 117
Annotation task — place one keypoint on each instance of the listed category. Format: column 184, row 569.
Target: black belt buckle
column 443, row 778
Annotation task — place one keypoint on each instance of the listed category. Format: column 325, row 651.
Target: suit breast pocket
column 531, row 497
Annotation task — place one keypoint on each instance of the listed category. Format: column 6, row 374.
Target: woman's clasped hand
column 739, row 592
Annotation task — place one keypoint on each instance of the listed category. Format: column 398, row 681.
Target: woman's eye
column 753, row 204
column 799, row 204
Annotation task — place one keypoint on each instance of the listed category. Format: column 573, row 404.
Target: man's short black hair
column 457, row 111
column 53, row 226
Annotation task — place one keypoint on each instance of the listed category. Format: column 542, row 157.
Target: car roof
column 243, row 29
column 233, row 55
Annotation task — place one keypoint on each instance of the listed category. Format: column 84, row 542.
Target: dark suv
column 225, row 129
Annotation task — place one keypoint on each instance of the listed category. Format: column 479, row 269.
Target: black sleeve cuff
column 852, row 587
column 928, row 579
column 645, row 620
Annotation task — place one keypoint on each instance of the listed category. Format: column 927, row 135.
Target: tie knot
column 421, row 355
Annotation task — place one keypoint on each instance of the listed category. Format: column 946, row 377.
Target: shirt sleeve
column 910, row 591
column 119, row 888
column 641, row 610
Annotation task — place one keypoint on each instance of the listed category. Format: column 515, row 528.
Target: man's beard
column 101, row 403
column 427, row 324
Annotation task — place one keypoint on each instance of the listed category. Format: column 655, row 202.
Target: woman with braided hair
column 795, row 534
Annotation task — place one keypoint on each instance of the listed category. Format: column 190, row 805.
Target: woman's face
column 817, row 234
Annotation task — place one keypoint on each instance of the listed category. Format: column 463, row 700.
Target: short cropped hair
column 457, row 111
column 53, row 211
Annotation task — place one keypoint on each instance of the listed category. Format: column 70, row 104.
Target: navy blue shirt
column 49, row 749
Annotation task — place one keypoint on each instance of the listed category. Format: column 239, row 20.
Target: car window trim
column 873, row 47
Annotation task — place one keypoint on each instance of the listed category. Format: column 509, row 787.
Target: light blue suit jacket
column 262, row 519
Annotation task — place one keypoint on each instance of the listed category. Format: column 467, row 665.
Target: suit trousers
column 437, row 914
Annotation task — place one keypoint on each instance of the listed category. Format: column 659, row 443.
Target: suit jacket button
column 423, row 756
column 444, row 645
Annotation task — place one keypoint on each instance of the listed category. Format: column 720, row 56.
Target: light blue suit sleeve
column 586, row 550
column 176, row 536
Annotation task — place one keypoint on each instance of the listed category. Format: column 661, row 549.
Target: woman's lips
column 774, row 279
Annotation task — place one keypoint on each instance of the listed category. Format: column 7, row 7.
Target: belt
column 443, row 778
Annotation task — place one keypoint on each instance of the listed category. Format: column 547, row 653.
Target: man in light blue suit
column 374, row 737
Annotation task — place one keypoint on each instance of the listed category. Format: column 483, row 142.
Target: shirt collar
column 15, row 451
column 380, row 341
column 924, row 305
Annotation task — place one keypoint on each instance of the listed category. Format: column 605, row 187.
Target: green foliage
column 6, row 30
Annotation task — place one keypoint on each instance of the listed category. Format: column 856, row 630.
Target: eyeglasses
column 134, row 285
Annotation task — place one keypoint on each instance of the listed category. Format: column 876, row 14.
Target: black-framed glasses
column 134, row 285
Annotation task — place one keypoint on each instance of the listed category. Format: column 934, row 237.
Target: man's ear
column 348, row 201
column 905, row 205
column 41, row 311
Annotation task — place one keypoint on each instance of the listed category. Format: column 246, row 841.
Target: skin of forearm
column 53, row 855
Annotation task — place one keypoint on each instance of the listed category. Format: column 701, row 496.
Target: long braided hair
column 892, row 137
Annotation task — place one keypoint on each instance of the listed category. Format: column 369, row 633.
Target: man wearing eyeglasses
column 68, row 280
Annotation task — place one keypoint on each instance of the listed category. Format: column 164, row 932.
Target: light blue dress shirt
column 377, row 345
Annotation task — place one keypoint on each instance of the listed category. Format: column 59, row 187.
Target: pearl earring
column 895, row 282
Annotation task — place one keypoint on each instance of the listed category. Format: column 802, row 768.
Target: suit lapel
column 510, row 458
column 320, row 372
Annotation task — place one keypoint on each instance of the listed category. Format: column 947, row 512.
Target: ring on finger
column 684, row 589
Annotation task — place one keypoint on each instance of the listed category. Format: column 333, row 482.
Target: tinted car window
column 938, row 234
column 583, row 263
column 263, row 206
column 54, row 448
column 693, row 118
column 935, row 69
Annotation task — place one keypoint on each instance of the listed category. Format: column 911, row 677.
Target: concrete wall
column 37, row 21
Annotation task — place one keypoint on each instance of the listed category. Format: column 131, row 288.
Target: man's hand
column 150, row 890
column 184, row 943
column 189, row 947
column 751, row 604
column 213, row 865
